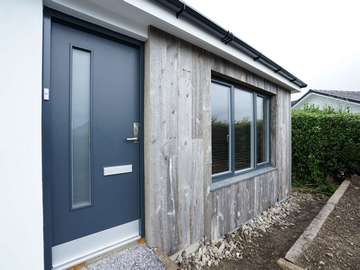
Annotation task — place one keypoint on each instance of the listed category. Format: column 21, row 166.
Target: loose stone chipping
column 232, row 246
column 136, row 258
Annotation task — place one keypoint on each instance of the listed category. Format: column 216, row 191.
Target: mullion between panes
column 268, row 119
column 232, row 130
column 254, row 134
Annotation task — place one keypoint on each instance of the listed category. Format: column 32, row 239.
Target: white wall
column 21, row 218
column 324, row 101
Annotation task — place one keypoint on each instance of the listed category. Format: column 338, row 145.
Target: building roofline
column 334, row 96
column 183, row 10
column 324, row 94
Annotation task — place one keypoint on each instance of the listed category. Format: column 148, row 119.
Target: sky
column 316, row 40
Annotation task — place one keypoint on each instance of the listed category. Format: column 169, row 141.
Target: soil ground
column 264, row 251
column 337, row 246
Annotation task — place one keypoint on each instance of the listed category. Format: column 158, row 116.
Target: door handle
column 135, row 138
column 132, row 139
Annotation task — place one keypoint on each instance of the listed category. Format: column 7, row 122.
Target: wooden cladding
column 180, row 209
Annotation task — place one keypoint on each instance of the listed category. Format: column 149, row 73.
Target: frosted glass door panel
column 80, row 128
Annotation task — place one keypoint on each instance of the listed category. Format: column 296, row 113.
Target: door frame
column 50, row 15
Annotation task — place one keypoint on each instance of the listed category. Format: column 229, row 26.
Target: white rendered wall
column 21, row 215
column 322, row 102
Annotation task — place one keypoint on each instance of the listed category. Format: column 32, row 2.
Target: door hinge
column 46, row 94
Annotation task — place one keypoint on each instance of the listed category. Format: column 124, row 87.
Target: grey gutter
column 180, row 9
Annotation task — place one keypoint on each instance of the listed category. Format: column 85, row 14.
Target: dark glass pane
column 243, row 128
column 220, row 120
column 260, row 130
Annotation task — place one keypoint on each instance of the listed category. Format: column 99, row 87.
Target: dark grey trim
column 268, row 126
column 231, row 147
column 232, row 130
column 49, row 16
column 47, row 202
column 239, row 178
column 238, row 83
column 187, row 12
column 266, row 119
column 141, row 139
column 254, row 137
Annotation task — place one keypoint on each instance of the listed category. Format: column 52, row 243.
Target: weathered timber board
column 180, row 209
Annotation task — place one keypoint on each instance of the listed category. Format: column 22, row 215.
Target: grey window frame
column 253, row 136
column 267, row 121
column 267, row 115
column 231, row 115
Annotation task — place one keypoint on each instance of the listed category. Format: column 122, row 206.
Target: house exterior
column 339, row 100
column 129, row 119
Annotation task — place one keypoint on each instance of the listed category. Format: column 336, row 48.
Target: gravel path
column 261, row 242
column 136, row 258
column 337, row 246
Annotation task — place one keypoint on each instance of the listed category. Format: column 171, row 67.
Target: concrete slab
column 136, row 258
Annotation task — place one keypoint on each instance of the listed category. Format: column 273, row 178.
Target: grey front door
column 94, row 107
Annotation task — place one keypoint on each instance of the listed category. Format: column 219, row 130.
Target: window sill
column 238, row 178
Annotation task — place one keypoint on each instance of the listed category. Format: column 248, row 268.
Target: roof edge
column 323, row 94
column 183, row 10
column 334, row 96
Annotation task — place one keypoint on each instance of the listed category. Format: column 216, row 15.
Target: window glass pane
column 220, row 131
column 260, row 130
column 80, row 128
column 243, row 118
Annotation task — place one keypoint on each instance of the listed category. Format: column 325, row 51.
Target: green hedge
column 324, row 143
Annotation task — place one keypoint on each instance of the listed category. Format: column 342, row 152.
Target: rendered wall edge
column 20, row 145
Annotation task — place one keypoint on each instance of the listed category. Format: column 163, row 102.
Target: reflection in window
column 240, row 130
column 260, row 129
column 220, row 120
column 243, row 118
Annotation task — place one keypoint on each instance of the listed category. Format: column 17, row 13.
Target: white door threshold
column 85, row 248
